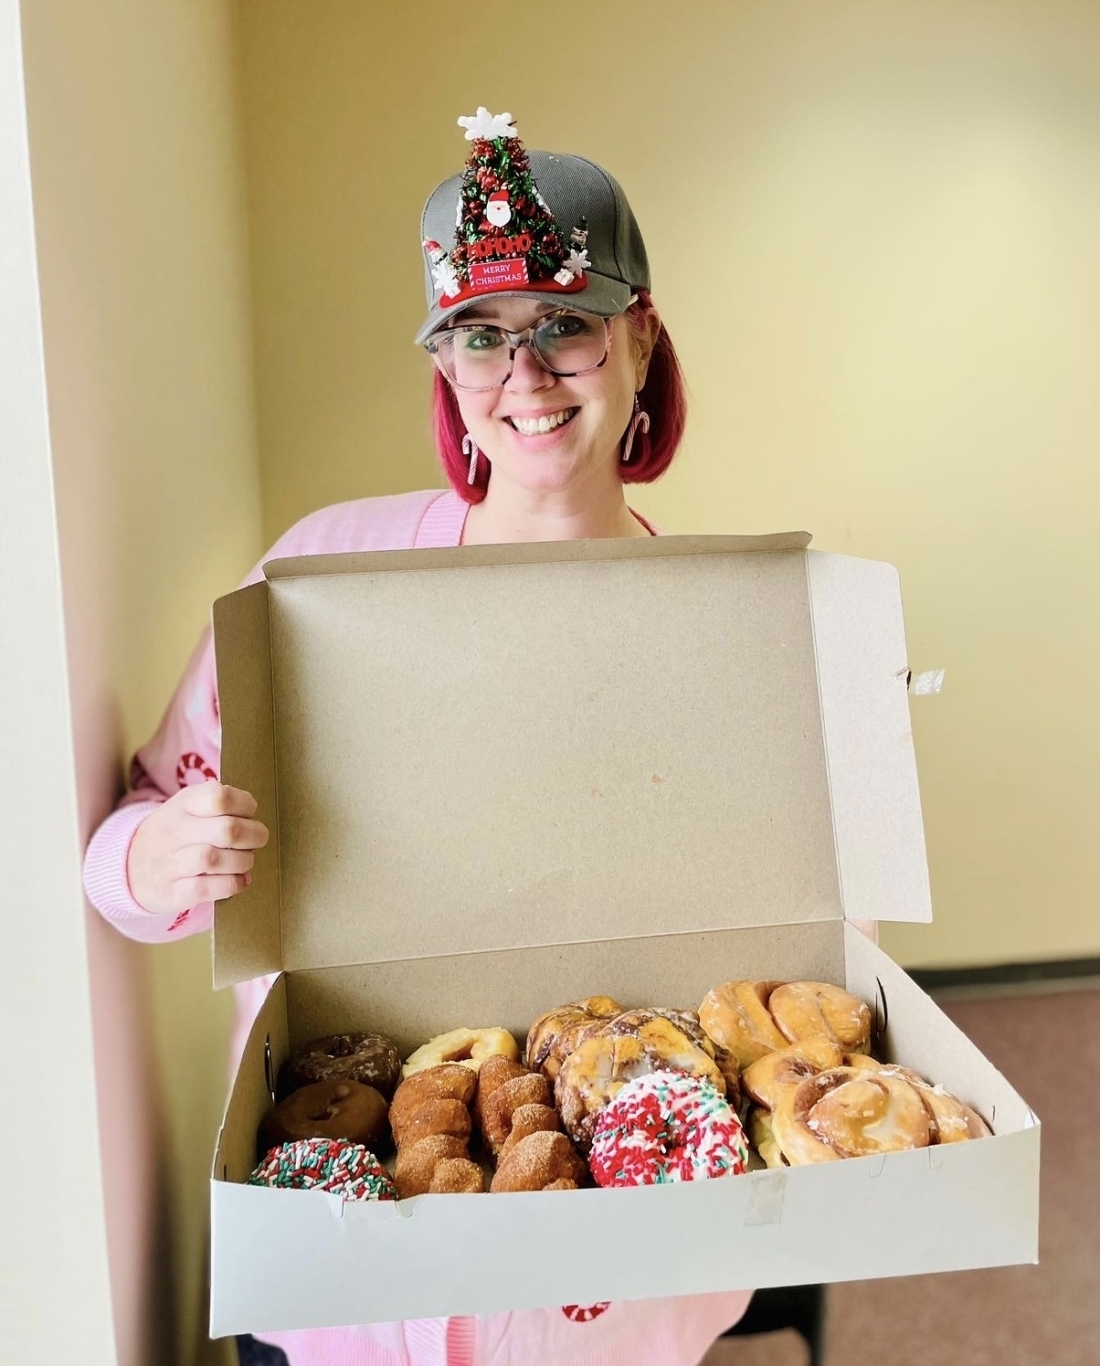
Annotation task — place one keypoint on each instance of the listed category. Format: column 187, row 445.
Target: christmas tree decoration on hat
column 505, row 235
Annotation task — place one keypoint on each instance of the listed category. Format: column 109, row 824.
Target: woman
column 556, row 384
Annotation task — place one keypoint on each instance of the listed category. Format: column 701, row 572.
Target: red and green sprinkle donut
column 667, row 1127
column 325, row 1164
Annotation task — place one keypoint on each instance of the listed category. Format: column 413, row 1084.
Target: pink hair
column 663, row 397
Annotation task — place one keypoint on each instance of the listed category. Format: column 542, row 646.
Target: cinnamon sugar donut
column 450, row 1081
column 439, row 1165
column 542, row 1160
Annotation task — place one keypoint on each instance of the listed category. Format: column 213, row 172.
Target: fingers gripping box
column 503, row 778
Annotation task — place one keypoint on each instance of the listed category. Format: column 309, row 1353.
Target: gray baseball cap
column 575, row 190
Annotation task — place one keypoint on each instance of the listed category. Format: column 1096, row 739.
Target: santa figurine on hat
column 498, row 211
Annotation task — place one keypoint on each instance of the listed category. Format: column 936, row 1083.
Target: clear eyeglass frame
column 515, row 340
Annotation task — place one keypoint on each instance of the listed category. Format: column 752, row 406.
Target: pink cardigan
column 186, row 749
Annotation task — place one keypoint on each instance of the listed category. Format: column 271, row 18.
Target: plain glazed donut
column 328, row 1109
column 470, row 1047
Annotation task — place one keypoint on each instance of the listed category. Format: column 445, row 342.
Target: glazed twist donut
column 804, row 1010
column 521, row 1130
column 735, row 1015
column 752, row 1019
column 430, row 1120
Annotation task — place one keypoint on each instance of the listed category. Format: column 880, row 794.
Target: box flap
column 494, row 747
column 247, row 928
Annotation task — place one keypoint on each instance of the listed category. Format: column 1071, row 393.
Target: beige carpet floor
column 1047, row 1315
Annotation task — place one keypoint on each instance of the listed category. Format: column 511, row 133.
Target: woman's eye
column 481, row 341
column 563, row 328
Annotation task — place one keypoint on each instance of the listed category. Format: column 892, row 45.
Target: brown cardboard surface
column 568, row 743
column 247, row 937
column 414, row 1000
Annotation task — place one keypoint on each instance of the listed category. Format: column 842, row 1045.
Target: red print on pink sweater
column 585, row 1313
column 193, row 768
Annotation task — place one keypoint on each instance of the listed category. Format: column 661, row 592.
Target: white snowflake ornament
column 577, row 262
column 445, row 278
column 487, row 126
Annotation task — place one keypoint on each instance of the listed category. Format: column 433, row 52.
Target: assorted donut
column 763, row 1074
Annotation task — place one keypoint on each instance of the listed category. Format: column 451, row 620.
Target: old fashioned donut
column 849, row 1112
column 666, row 1127
column 328, row 1109
column 804, row 1009
column 470, row 1047
column 325, row 1164
column 542, row 1160
column 371, row 1059
column 735, row 1015
column 554, row 1035
column 596, row 1071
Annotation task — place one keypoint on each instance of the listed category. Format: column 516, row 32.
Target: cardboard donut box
column 499, row 779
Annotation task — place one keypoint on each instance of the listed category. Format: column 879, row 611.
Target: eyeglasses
column 476, row 356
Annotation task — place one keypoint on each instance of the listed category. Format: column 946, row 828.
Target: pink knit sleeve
column 186, row 749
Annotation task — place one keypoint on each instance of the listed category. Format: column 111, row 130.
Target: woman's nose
column 527, row 373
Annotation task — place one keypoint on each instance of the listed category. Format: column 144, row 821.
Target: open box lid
column 496, row 747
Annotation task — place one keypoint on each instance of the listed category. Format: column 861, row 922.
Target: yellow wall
column 873, row 231
column 142, row 256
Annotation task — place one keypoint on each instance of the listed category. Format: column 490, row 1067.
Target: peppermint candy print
column 667, row 1127
column 585, row 1313
column 193, row 768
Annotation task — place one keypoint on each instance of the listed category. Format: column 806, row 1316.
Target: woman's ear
column 645, row 339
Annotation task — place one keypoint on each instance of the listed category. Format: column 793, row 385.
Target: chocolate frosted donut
column 371, row 1059
column 328, row 1109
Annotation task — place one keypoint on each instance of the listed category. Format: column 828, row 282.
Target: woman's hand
column 196, row 847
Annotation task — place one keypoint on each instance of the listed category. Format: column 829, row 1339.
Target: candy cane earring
column 469, row 447
column 640, row 419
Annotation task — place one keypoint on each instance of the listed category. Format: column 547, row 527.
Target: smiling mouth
column 539, row 426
